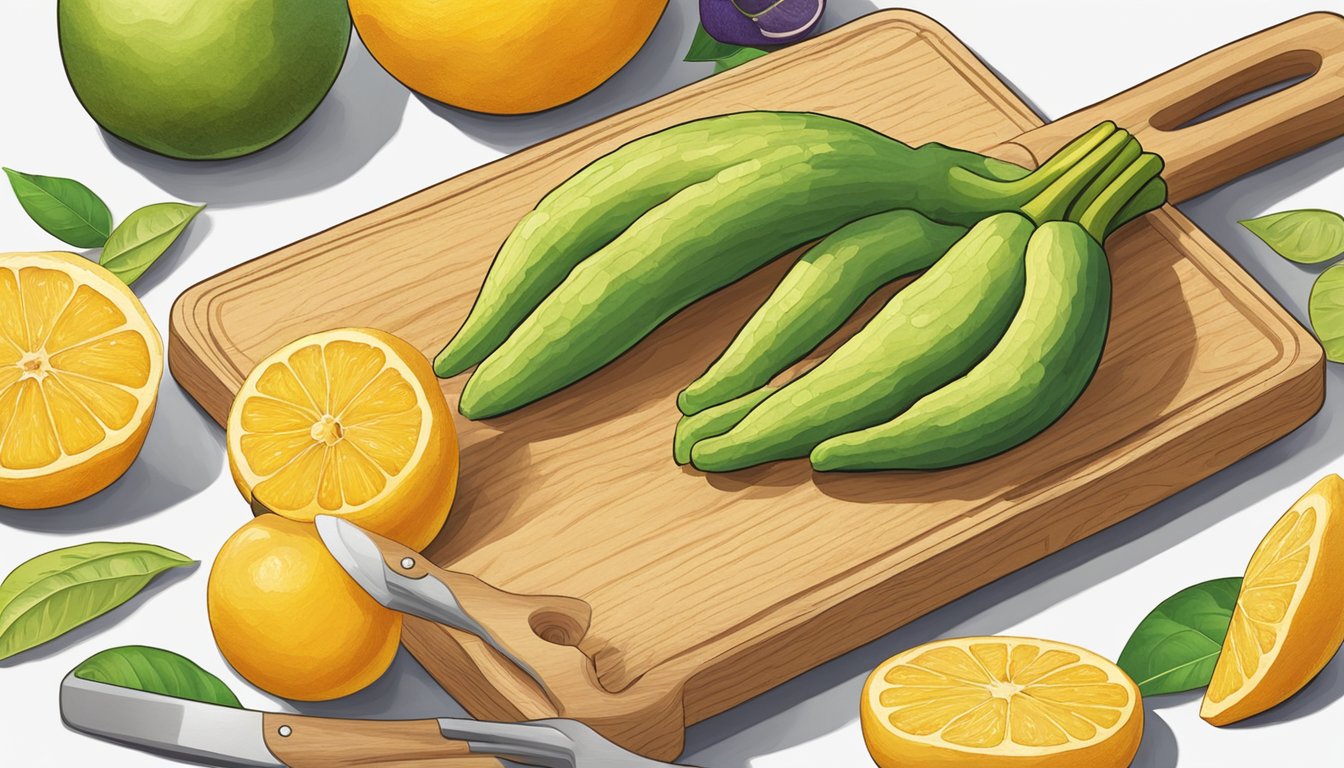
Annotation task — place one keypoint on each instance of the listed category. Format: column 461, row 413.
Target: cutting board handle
column 1170, row 113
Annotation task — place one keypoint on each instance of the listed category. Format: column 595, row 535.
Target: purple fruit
column 760, row 22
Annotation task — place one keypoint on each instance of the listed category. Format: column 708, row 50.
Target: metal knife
column 243, row 738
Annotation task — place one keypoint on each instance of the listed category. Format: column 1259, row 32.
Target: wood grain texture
column 707, row 590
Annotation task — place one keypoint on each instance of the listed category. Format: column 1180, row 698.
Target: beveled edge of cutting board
column 776, row 646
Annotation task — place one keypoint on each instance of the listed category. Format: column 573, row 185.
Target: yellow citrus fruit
column 290, row 620
column 348, row 422
column 1288, row 622
column 504, row 58
column 80, row 364
column 1000, row 702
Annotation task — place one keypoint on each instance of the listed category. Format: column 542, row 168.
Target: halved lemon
column 999, row 702
column 348, row 422
column 80, row 365
column 1288, row 621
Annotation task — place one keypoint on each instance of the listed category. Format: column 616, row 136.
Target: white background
column 372, row 142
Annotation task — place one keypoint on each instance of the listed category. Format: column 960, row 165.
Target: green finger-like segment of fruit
column 593, row 207
column 713, row 421
column 598, row 203
column 827, row 285
column 1032, row 377
column 1150, row 198
column 930, row 333
column 703, row 238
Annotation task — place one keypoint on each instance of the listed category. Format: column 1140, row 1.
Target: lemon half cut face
column 348, row 422
column 80, row 365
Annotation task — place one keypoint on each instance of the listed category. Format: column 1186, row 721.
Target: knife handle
column 1175, row 114
column 299, row 741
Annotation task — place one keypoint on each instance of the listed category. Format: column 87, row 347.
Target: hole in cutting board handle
column 558, row 627
column 1261, row 80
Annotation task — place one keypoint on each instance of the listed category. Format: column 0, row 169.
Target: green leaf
column 1176, row 646
column 58, row 591
column 144, row 236
column 705, row 48
column 1326, row 307
column 65, row 208
column 1306, row 236
column 156, row 671
column 742, row 56
column 725, row 56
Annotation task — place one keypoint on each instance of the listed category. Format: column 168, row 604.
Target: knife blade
column 175, row 727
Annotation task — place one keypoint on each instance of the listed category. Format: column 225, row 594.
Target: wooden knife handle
column 316, row 742
column 1201, row 154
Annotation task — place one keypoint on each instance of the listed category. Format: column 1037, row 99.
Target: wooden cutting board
column 679, row 595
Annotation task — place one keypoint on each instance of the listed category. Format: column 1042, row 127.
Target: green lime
column 202, row 79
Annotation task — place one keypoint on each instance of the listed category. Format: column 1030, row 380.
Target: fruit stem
column 1099, row 216
column 1073, row 153
column 1054, row 203
column 994, row 192
column 1128, row 154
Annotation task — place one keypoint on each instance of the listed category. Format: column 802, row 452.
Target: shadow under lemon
column 182, row 456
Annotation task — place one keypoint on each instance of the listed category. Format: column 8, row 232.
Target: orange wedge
column 1289, row 617
column 80, row 365
column 348, row 422
column 1000, row 702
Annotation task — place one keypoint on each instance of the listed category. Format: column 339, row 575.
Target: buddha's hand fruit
column 565, row 311
column 80, row 366
column 1000, row 702
column 289, row 620
column 504, row 58
column 202, row 80
column 914, row 389
column 348, row 422
column 805, row 308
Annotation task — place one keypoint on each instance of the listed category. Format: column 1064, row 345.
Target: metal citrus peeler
column 408, row 589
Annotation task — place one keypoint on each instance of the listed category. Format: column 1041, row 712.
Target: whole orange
column 504, row 58
column 290, row 620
